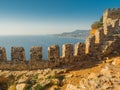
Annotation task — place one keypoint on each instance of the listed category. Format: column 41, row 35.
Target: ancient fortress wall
column 98, row 45
column 109, row 18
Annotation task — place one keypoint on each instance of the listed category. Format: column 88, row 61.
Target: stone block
column 18, row 54
column 107, row 48
column 99, row 36
column 36, row 53
column 109, row 30
column 90, row 44
column 53, row 52
column 79, row 49
column 3, row 54
column 115, row 23
column 67, row 50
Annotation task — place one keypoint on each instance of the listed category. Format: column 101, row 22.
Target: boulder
column 22, row 86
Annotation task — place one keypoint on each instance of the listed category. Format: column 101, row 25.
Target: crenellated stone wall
column 105, row 38
column 109, row 16
column 18, row 58
column 105, row 41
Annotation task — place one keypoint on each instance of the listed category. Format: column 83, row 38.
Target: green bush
column 97, row 24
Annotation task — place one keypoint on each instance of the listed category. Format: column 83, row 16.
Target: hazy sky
column 31, row 17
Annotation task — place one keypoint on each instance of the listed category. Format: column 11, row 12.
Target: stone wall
column 104, row 39
column 79, row 49
column 53, row 52
column 90, row 44
column 3, row 57
column 67, row 50
column 99, row 36
column 18, row 58
column 109, row 16
column 36, row 53
column 18, row 54
column 114, row 13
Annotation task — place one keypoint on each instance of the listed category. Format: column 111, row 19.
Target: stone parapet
column 18, row 54
column 36, row 53
column 67, row 50
column 89, row 45
column 99, row 36
column 79, row 49
column 3, row 56
column 53, row 52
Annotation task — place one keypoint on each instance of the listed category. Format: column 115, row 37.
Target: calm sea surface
column 28, row 41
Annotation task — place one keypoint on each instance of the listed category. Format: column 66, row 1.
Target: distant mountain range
column 75, row 34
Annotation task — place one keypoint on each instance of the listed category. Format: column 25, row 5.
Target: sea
column 41, row 40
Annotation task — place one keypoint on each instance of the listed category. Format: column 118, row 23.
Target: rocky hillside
column 105, row 76
column 88, row 75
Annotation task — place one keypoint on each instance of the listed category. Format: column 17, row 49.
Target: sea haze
column 28, row 41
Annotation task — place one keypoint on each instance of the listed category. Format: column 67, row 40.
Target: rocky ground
column 90, row 75
column 105, row 77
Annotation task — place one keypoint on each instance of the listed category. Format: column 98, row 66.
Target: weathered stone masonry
column 53, row 53
column 3, row 54
column 35, row 53
column 67, row 50
column 105, row 41
column 18, row 54
column 110, row 32
column 79, row 49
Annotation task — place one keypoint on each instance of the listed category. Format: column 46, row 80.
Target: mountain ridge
column 74, row 34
